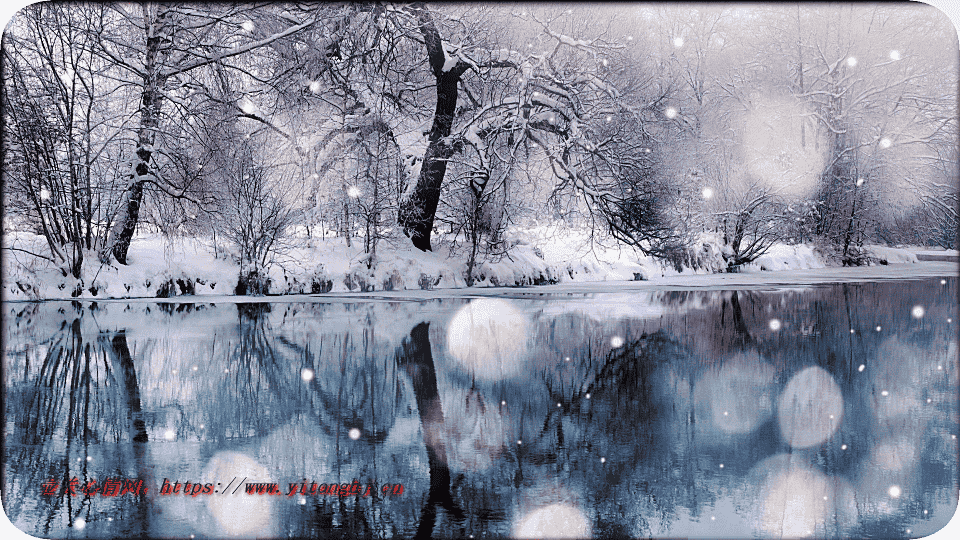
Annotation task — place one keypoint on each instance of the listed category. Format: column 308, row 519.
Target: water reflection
column 797, row 500
column 738, row 397
column 811, row 408
column 680, row 414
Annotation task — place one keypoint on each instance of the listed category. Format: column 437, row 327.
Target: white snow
column 540, row 255
column 781, row 257
column 891, row 255
column 450, row 57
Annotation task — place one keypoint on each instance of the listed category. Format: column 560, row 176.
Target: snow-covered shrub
column 253, row 283
column 707, row 252
column 428, row 282
column 393, row 282
column 356, row 281
column 174, row 287
column 315, row 282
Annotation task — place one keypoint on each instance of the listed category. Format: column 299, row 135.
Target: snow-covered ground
column 160, row 266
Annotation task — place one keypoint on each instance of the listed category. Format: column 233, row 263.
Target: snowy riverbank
column 162, row 267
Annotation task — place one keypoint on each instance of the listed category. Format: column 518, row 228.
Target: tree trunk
column 419, row 210
column 158, row 31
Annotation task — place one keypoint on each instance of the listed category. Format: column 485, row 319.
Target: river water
column 812, row 410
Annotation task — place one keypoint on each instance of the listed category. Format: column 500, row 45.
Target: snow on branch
column 176, row 70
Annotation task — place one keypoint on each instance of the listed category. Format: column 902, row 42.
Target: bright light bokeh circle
column 238, row 514
column 554, row 521
column 740, row 396
column 796, row 501
column 811, row 408
column 782, row 154
column 488, row 337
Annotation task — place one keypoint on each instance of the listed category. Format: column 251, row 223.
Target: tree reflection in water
column 79, row 392
column 415, row 358
column 693, row 415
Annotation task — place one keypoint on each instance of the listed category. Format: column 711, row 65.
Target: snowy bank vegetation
column 171, row 149
column 163, row 267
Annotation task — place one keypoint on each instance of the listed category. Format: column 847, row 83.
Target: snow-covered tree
column 62, row 112
column 158, row 45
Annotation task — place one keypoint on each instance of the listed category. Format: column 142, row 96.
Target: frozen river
column 810, row 403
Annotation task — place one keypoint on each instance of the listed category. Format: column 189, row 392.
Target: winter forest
column 310, row 147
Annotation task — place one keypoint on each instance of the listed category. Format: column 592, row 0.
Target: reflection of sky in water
column 681, row 414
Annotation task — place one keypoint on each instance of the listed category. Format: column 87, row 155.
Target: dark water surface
column 812, row 411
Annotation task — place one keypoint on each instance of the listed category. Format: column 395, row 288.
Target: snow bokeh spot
column 783, row 154
column 811, row 408
column 737, row 398
column 489, row 338
column 553, row 521
column 238, row 514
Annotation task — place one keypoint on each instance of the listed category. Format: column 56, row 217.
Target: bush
column 252, row 283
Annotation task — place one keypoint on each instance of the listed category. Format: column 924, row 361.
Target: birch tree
column 158, row 45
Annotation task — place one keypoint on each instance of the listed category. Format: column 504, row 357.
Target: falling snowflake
column 248, row 26
column 353, row 192
column 852, row 62
column 917, row 312
column 306, row 374
column 678, row 42
column 616, row 342
column 775, row 324
column 885, row 142
column 670, row 112
column 708, row 194
column 895, row 55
